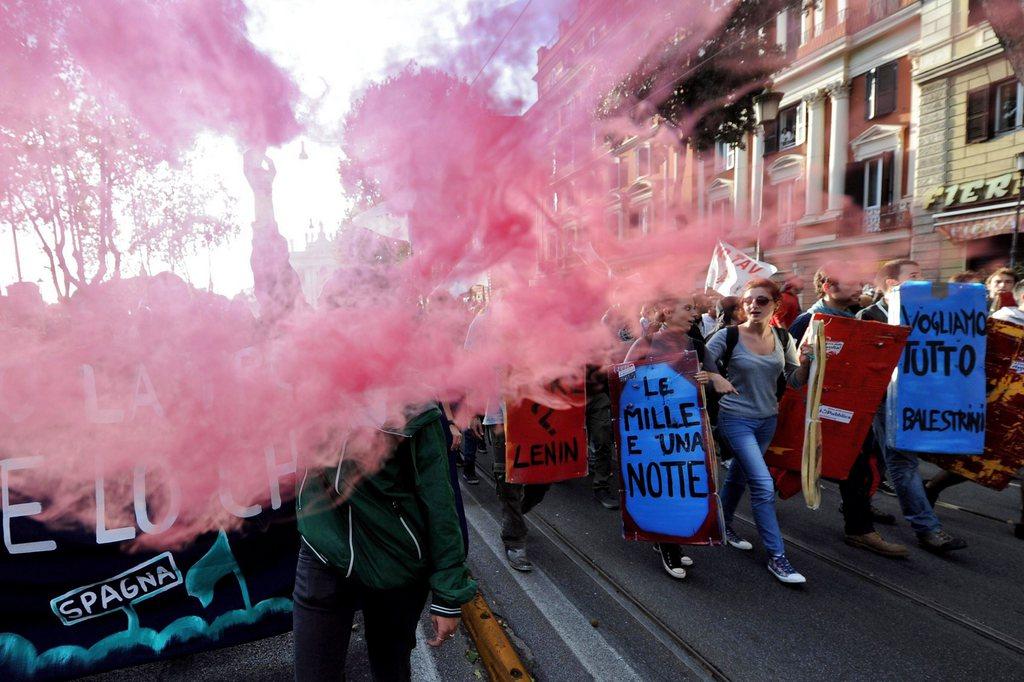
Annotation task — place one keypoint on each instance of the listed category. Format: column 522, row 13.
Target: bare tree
column 87, row 185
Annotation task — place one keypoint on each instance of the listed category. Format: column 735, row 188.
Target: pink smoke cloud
column 214, row 409
column 179, row 67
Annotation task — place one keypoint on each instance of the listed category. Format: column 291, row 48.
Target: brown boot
column 873, row 542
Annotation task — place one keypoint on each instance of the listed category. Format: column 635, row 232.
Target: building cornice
column 951, row 67
column 844, row 43
column 822, row 244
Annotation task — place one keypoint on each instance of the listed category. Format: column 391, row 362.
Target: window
column 996, row 109
column 878, row 181
column 787, row 127
column 612, row 223
column 1007, row 106
column 881, row 91
column 725, row 155
column 873, row 183
column 977, row 115
column 792, row 32
column 623, row 166
column 720, row 211
column 975, row 12
column 785, row 208
column 643, row 156
column 771, row 137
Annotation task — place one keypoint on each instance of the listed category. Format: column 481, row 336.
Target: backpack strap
column 732, row 337
column 783, row 335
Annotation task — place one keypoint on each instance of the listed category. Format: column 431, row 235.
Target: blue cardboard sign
column 937, row 396
column 668, row 491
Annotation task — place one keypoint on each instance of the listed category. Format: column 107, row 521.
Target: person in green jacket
column 378, row 544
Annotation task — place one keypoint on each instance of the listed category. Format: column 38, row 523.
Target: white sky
column 333, row 48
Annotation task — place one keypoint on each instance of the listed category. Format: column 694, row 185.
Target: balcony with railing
column 833, row 25
column 889, row 217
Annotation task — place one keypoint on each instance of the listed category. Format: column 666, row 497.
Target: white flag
column 730, row 269
column 382, row 220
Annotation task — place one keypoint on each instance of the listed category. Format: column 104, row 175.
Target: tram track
column 688, row 654
column 693, row 657
column 978, row 628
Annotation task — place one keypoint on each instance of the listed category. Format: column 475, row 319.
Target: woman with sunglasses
column 678, row 333
column 748, row 410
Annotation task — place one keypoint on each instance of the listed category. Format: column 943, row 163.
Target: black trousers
column 516, row 499
column 600, row 434
column 856, row 492
column 325, row 602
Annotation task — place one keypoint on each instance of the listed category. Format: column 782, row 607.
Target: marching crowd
column 749, row 348
column 398, row 536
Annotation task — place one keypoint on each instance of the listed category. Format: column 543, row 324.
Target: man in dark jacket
column 378, row 544
column 837, row 292
column 902, row 466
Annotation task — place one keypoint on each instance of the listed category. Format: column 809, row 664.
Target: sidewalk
column 270, row 660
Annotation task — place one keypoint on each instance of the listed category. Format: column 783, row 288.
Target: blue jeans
column 749, row 439
column 905, row 476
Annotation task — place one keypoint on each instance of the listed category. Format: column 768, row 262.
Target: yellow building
column 970, row 130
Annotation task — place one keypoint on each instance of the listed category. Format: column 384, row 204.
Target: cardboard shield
column 1004, row 431
column 861, row 358
column 937, row 397
column 543, row 444
column 668, row 489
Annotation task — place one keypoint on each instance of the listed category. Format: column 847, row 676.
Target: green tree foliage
column 705, row 84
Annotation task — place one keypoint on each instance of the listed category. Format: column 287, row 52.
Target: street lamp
column 766, row 106
column 1019, row 163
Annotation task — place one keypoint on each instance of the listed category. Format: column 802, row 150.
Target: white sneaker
column 734, row 540
column 670, row 561
column 780, row 567
column 683, row 559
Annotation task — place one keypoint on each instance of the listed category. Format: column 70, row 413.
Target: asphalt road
column 860, row 616
column 597, row 607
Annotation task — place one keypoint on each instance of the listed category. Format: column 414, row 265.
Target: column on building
column 815, row 103
column 756, row 174
column 701, row 187
column 839, row 140
column 741, row 186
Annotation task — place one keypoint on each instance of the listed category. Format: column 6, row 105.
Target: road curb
column 499, row 657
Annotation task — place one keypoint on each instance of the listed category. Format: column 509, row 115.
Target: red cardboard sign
column 861, row 358
column 545, row 445
column 1004, row 422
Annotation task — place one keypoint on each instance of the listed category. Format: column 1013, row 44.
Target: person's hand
column 456, row 436
column 702, row 377
column 444, row 629
column 499, row 430
column 806, row 353
column 476, row 426
column 722, row 385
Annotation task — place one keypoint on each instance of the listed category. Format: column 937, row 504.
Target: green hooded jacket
column 398, row 527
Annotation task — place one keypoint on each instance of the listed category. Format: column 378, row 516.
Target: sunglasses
column 759, row 300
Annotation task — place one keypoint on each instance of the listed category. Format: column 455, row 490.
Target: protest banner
column 72, row 605
column 1004, row 424
column 668, row 486
column 544, row 444
column 861, row 358
column 134, row 578
column 730, row 269
column 937, row 397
